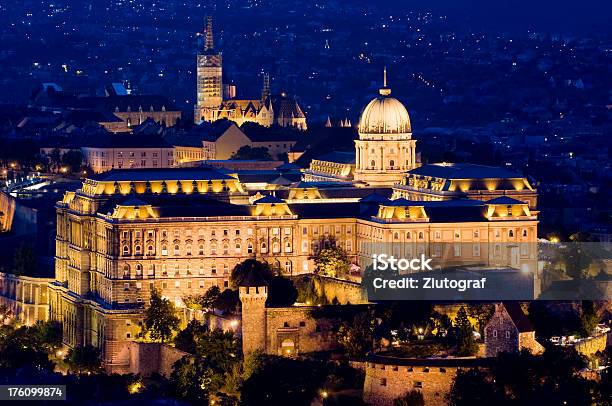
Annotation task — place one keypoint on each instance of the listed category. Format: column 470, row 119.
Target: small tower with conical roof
column 265, row 90
column 253, row 293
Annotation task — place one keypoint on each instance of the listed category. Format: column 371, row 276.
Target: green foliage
column 482, row 312
column 201, row 377
column 23, row 347
column 25, row 260
column 227, row 301
column 249, row 153
column 210, row 297
column 466, row 345
column 83, row 359
column 331, row 260
column 472, row 387
column 411, row 398
column 186, row 339
column 549, row 379
column 160, row 320
column 48, row 334
column 242, row 269
column 588, row 318
column 281, row 292
column 283, row 381
column 73, row 160
column 357, row 337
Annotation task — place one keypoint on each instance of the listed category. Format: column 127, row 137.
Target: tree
column 227, row 301
column 249, row 153
column 411, row 398
column 281, row 381
column 472, row 387
column 588, row 318
column 357, row 337
column 49, row 334
column 466, row 345
column 242, row 269
column 186, row 339
column 25, row 260
column 482, row 312
column 331, row 260
column 160, row 320
column 281, row 292
column 200, row 377
column 73, row 160
column 83, row 359
column 209, row 297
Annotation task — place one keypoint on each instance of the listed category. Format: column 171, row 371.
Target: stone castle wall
column 150, row 358
column 384, row 383
column 292, row 330
column 344, row 291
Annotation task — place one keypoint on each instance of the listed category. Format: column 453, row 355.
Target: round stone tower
column 253, row 293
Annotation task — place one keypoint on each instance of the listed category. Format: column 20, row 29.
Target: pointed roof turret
column 328, row 122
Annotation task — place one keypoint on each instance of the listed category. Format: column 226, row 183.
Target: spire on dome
column 328, row 122
column 384, row 91
column 208, row 38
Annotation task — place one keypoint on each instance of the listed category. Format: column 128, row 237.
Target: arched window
column 275, row 247
column 213, row 249
column 188, row 249
column 421, row 235
column 164, row 250
column 396, row 236
column 150, row 250
column 137, row 250
column 138, row 270
column 287, row 246
column 408, row 236
column 249, row 248
column 238, row 248
column 511, row 233
column 264, row 247
column 392, row 163
column 126, row 271
column 373, row 163
column 201, row 249
column 126, row 250
column 225, row 249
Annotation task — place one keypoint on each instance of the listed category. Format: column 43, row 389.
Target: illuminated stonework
column 385, row 148
column 210, row 105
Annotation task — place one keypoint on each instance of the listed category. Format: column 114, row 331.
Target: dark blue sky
column 563, row 16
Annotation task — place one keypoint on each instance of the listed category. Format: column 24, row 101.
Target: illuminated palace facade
column 211, row 105
column 182, row 230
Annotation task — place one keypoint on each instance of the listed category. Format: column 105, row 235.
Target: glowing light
column 135, row 387
column 324, row 394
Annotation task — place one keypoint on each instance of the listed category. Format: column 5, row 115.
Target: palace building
column 182, row 230
column 210, row 106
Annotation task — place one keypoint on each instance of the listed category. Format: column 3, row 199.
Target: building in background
column 216, row 100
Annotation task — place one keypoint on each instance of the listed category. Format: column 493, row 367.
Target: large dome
column 384, row 115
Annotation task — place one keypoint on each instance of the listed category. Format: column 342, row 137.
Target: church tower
column 253, row 293
column 385, row 149
column 209, row 78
